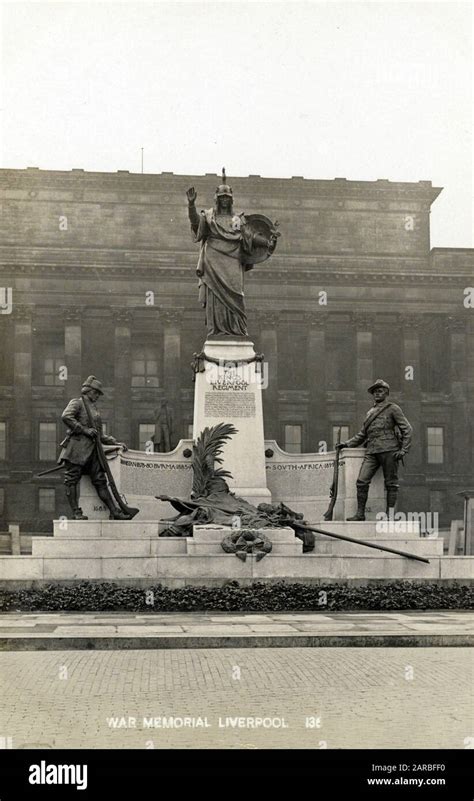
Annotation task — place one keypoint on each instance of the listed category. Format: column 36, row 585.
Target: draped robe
column 223, row 238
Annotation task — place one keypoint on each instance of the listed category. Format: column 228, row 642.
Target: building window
column 434, row 356
column 437, row 501
column 293, row 437
column 344, row 434
column 47, row 442
column 387, row 356
column 2, row 501
column 145, row 433
column 3, row 441
column 53, row 366
column 47, row 500
column 435, row 445
column 340, row 361
column 292, row 365
column 144, row 367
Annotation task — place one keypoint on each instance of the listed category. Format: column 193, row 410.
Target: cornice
column 278, row 276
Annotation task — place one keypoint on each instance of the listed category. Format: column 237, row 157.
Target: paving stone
column 149, row 630
column 361, row 696
column 272, row 628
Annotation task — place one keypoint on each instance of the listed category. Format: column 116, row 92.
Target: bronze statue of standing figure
column 79, row 452
column 230, row 246
column 387, row 434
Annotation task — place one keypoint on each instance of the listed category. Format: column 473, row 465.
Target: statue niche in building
column 164, row 428
column 80, row 451
column 386, row 433
column 230, row 244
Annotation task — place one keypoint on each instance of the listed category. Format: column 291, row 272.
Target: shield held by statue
column 262, row 225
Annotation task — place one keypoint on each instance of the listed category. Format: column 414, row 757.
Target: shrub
column 88, row 596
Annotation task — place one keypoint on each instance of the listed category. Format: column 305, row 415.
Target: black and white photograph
column 236, row 395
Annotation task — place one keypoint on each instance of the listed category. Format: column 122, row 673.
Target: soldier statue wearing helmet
column 230, row 246
column 79, row 452
column 386, row 434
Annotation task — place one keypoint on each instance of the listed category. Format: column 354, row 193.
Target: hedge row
column 260, row 597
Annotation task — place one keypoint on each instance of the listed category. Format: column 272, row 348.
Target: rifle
column 51, row 470
column 62, row 465
column 128, row 510
column 296, row 526
column 335, row 480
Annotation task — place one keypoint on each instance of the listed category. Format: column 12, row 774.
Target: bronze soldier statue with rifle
column 82, row 453
column 387, row 435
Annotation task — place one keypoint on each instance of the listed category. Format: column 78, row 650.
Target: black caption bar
column 86, row 774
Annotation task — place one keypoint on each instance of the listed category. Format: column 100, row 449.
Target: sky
column 319, row 89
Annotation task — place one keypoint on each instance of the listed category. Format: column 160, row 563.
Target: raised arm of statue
column 194, row 218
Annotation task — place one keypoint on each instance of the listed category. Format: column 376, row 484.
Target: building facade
column 97, row 275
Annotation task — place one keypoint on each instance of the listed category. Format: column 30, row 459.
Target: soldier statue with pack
column 387, row 434
column 79, row 453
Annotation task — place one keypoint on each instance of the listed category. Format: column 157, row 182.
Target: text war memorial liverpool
column 98, row 279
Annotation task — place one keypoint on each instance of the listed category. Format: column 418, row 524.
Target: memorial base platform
column 134, row 551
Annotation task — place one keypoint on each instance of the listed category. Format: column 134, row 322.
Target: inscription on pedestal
column 143, row 477
column 228, row 405
column 296, row 479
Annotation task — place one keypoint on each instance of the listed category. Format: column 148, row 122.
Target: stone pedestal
column 303, row 480
column 230, row 392
column 133, row 551
column 139, row 477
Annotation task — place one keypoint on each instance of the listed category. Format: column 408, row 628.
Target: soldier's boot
column 115, row 512
column 392, row 493
column 72, row 496
column 362, row 493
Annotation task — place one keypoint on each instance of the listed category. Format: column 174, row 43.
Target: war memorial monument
column 183, row 516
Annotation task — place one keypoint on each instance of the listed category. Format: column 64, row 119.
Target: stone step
column 178, row 570
column 421, row 546
column 151, row 546
column 63, row 547
column 120, row 529
column 213, row 548
column 371, row 529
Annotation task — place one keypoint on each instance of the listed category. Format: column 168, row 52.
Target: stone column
column 172, row 368
column 73, row 352
column 318, row 425
column 459, row 447
column 22, row 424
column 411, row 388
column 269, row 343
column 123, row 376
column 365, row 362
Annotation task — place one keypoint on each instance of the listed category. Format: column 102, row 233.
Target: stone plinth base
column 115, row 550
column 303, row 480
column 230, row 391
column 139, row 477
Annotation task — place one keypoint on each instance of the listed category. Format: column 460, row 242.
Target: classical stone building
column 97, row 274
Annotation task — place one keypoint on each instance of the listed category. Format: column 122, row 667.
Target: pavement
column 127, row 630
column 312, row 698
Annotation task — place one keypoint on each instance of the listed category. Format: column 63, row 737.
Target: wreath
column 245, row 541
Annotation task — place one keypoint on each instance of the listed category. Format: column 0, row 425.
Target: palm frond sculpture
column 206, row 452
